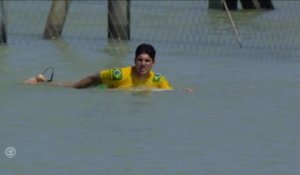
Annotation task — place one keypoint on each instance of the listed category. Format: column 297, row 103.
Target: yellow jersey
column 124, row 78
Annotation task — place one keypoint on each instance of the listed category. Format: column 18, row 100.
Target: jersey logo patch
column 156, row 77
column 116, row 74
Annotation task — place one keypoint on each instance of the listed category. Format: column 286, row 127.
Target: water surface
column 242, row 118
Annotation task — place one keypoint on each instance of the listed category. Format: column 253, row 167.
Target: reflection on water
column 242, row 118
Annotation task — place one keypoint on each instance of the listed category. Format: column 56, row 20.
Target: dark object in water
column 52, row 73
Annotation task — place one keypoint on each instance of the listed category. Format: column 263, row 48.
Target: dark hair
column 145, row 48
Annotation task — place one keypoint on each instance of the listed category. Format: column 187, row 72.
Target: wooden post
column 119, row 19
column 56, row 19
column 218, row 4
column 248, row 4
column 215, row 4
column 266, row 4
column 3, row 21
column 232, row 4
column 257, row 4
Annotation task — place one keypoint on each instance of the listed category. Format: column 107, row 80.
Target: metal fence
column 179, row 25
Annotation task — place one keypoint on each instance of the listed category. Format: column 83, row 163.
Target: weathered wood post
column 232, row 4
column 257, row 4
column 246, row 4
column 119, row 19
column 56, row 19
column 3, row 21
column 218, row 4
column 215, row 4
column 266, row 4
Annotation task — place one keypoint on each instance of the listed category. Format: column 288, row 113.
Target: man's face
column 143, row 64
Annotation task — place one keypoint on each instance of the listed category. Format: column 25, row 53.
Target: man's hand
column 189, row 90
column 38, row 79
column 89, row 81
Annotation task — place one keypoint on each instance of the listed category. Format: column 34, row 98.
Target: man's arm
column 89, row 81
column 86, row 82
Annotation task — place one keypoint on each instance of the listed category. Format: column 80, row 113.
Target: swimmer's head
column 145, row 48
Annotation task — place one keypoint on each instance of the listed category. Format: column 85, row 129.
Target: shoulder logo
column 156, row 77
column 116, row 74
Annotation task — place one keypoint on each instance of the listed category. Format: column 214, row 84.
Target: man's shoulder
column 158, row 77
column 117, row 69
column 117, row 73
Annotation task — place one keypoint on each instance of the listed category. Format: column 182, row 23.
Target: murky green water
column 243, row 117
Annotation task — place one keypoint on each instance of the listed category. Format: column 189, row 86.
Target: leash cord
column 52, row 73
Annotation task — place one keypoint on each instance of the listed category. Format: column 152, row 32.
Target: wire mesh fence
column 187, row 26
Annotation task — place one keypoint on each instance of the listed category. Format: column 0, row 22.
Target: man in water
column 139, row 76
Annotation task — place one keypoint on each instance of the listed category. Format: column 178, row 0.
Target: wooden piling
column 257, row 4
column 232, row 4
column 56, row 19
column 215, row 4
column 3, row 21
column 119, row 19
column 218, row 4
column 266, row 4
column 248, row 4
